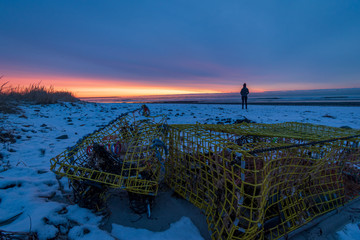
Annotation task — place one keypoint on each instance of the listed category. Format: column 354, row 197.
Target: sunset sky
column 138, row 47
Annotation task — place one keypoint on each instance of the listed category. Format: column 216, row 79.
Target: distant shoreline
column 283, row 103
column 335, row 104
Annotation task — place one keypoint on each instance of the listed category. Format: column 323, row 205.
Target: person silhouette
column 244, row 92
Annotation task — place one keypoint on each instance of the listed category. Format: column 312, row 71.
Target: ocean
column 347, row 96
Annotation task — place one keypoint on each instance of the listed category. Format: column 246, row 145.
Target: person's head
column 244, row 85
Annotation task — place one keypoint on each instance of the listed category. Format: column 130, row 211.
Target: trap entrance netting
column 262, row 181
column 129, row 154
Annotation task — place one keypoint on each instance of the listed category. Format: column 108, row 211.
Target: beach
column 125, row 120
column 41, row 132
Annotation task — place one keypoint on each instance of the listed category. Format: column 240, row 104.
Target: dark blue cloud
column 203, row 41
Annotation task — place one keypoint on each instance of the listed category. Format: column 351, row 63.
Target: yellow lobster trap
column 262, row 181
column 128, row 153
column 253, row 181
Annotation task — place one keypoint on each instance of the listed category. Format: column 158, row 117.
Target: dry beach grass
column 10, row 96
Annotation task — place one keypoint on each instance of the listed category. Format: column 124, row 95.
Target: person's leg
column 242, row 101
column 246, row 102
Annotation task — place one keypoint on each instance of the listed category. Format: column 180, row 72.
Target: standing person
column 244, row 92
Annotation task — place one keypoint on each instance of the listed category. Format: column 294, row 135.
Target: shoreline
column 335, row 104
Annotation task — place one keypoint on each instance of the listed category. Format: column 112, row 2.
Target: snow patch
column 182, row 229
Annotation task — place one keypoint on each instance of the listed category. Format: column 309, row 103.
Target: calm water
column 307, row 96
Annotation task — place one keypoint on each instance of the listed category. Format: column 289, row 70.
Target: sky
column 146, row 47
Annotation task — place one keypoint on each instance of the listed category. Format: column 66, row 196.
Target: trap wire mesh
column 262, row 181
column 128, row 153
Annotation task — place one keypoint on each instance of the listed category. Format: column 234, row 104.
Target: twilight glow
column 128, row 48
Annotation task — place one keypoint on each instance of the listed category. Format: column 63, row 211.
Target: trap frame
column 262, row 181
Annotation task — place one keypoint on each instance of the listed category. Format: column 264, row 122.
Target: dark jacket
column 244, row 91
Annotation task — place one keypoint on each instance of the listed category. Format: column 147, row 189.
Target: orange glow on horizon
column 82, row 87
column 128, row 91
column 96, row 87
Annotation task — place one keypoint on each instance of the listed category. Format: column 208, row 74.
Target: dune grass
column 10, row 97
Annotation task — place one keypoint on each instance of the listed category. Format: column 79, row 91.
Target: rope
column 302, row 144
column 157, row 143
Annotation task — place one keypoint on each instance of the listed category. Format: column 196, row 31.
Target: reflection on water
column 308, row 96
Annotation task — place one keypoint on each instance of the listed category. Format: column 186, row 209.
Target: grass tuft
column 34, row 94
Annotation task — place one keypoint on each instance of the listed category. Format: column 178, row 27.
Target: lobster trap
column 128, row 154
column 262, row 181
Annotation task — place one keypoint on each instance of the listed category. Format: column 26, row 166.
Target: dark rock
column 65, row 136
column 7, row 136
column 346, row 127
column 42, row 152
column 43, row 125
column 243, row 120
column 329, row 116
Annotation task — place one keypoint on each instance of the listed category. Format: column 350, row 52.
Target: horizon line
column 257, row 92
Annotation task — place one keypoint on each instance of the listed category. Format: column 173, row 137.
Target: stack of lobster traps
column 253, row 181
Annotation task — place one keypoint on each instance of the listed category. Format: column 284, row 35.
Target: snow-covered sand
column 31, row 197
